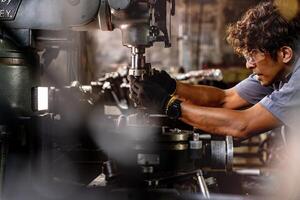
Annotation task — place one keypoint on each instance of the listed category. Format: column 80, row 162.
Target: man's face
column 266, row 69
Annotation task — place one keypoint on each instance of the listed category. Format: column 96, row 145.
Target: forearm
column 201, row 94
column 218, row 121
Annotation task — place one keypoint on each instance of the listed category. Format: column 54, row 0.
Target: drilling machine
column 163, row 149
column 159, row 152
column 142, row 23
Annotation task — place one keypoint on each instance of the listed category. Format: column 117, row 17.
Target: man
column 265, row 100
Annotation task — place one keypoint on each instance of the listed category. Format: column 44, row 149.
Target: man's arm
column 222, row 121
column 210, row 96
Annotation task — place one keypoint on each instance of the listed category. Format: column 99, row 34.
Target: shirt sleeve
column 251, row 90
column 285, row 103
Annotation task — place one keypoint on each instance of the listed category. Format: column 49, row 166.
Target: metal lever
column 202, row 185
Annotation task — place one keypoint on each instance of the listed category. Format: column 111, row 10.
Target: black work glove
column 163, row 79
column 150, row 94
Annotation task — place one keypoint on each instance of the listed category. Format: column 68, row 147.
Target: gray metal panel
column 54, row 14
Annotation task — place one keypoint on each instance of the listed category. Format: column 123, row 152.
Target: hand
column 150, row 94
column 163, row 79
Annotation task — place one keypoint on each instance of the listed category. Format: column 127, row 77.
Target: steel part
column 229, row 151
column 160, row 18
column 53, row 14
column 175, row 131
column 142, row 22
column 218, row 154
column 174, row 137
column 195, row 144
column 196, row 136
column 104, row 16
column 196, row 150
column 109, row 169
column 22, row 37
column 138, row 62
column 119, row 4
column 99, row 181
column 202, row 185
column 137, row 72
column 138, row 68
column 120, row 103
column 134, row 24
column 147, row 159
column 211, row 181
column 135, row 35
column 147, row 169
column 204, row 137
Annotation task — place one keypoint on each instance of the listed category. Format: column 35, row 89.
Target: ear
column 286, row 54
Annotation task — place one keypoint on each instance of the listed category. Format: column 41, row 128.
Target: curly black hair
column 265, row 28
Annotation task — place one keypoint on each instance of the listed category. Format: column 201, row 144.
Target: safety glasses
column 254, row 57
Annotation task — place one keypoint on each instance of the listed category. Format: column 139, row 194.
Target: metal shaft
column 138, row 62
column 202, row 185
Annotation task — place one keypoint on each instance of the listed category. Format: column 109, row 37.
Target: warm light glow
column 287, row 8
column 124, row 26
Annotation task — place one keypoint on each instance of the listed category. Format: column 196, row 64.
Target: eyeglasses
column 254, row 57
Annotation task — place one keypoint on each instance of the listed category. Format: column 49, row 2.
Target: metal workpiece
column 137, row 72
column 141, row 22
column 148, row 170
column 172, row 137
column 52, row 14
column 218, row 156
column 133, row 21
column 138, row 67
column 229, row 151
column 147, row 159
column 196, row 145
column 222, row 153
column 202, row 185
column 175, row 147
column 109, row 169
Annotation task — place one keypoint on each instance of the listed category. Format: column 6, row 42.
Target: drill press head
column 142, row 22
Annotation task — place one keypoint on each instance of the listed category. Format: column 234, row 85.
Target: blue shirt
column 282, row 99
